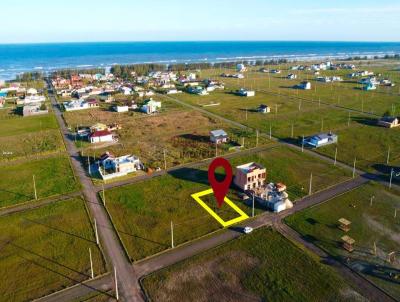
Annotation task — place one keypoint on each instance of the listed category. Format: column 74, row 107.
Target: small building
column 218, row 136
column 275, row 197
column 198, row 90
column 292, row 76
column 389, row 122
column 348, row 243
column 305, row 85
column 102, row 136
column 150, row 106
column 250, row 176
column 241, row 68
column 264, row 108
column 246, row 93
column 321, row 139
column 34, row 109
column 344, row 224
column 121, row 109
column 369, row 86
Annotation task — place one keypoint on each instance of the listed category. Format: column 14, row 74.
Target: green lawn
column 45, row 250
column 21, row 125
column 370, row 224
column 263, row 266
column 53, row 176
column 142, row 212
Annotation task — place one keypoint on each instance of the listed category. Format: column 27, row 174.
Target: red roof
column 100, row 133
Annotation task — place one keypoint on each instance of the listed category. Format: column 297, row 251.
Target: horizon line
column 194, row 41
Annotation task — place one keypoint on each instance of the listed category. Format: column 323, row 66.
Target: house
column 264, row 108
column 218, row 136
column 150, row 106
column 275, row 197
column 110, row 166
column 389, row 122
column 292, row 76
column 173, row 91
column 304, row 85
column 250, row 176
column 247, row 93
column 321, row 139
column 126, row 90
column 275, row 71
column 121, row 109
column 369, row 86
column 101, row 136
column 34, row 99
column 197, row 90
column 34, row 109
column 240, row 68
column 75, row 105
column 98, row 127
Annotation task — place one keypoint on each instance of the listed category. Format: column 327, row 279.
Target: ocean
column 17, row 58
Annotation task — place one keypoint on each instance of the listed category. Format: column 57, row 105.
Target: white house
column 264, row 108
column 241, row 68
column 101, row 137
column 247, row 93
column 173, row 91
column 292, row 76
column 121, row 109
column 126, row 90
column 321, row 139
column 218, row 136
column 304, row 85
column 110, row 166
column 150, row 106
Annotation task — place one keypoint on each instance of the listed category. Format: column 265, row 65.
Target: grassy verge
column 53, row 176
column 370, row 224
column 261, row 266
column 45, row 250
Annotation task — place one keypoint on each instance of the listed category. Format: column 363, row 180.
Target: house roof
column 100, row 133
column 218, row 132
column 388, row 119
column 321, row 136
column 250, row 167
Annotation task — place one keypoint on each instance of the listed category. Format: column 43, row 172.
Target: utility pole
column 91, row 263
column 276, row 109
column 34, row 187
column 246, row 113
column 172, row 235
column 104, row 196
column 310, row 188
column 95, row 232
column 391, row 178
column 335, row 157
column 302, row 144
column 292, row 133
column 165, row 161
column 354, row 168
column 374, row 248
column 370, row 202
column 395, row 213
column 256, row 138
column 270, row 131
column 88, row 162
column 322, row 125
column 252, row 212
column 388, row 156
column 116, row 283
column 348, row 121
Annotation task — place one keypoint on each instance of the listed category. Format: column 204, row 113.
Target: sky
column 23, row 21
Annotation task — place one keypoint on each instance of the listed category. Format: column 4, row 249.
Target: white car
column 248, row 230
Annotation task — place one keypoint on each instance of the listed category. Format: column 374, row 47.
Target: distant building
column 369, row 86
column 292, row 76
column 250, row 176
column 150, row 106
column 34, row 109
column 241, row 68
column 101, row 137
column 218, row 136
column 304, row 85
column 264, row 108
column 246, row 93
column 80, row 105
column 275, row 197
column 321, row 139
column 121, row 109
column 389, row 122
column 197, row 90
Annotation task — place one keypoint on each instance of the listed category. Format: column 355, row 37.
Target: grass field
column 262, row 266
column 295, row 113
column 45, row 250
column 142, row 212
column 370, row 224
column 53, row 176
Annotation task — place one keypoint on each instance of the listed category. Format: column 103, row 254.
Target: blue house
column 369, row 86
column 321, row 139
column 3, row 94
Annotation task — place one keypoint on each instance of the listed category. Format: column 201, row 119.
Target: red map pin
column 220, row 188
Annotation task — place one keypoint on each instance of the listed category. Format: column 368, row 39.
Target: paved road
column 128, row 288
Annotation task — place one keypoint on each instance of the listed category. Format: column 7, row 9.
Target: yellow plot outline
column 243, row 215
